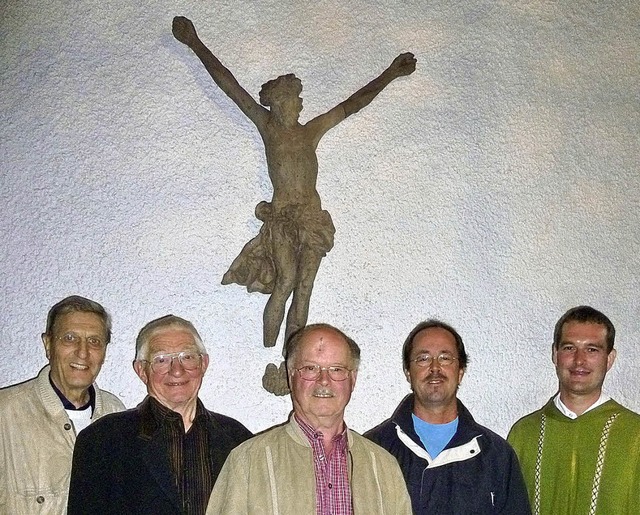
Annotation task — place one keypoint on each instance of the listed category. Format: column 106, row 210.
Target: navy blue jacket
column 120, row 465
column 477, row 472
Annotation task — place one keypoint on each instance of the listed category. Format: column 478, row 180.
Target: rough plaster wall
column 494, row 188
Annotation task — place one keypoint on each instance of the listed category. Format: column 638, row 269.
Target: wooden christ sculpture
column 283, row 259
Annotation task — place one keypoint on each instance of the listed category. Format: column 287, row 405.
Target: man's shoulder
column 369, row 444
column 492, row 443
column 528, row 425
column 229, row 425
column 273, row 436
column 113, row 425
column 382, row 432
column 14, row 392
column 109, row 401
column 629, row 420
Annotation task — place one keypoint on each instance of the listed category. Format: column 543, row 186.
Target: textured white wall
column 494, row 188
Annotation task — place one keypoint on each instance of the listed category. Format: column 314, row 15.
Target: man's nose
column 176, row 368
column 323, row 378
column 435, row 364
column 83, row 349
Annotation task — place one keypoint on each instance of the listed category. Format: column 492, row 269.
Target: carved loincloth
column 297, row 226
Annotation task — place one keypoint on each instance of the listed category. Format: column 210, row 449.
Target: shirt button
column 67, row 426
column 39, row 499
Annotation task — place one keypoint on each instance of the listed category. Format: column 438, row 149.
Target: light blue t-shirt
column 434, row 437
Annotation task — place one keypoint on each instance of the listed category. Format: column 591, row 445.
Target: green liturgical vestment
column 584, row 466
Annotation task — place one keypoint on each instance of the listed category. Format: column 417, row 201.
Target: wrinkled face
column 435, row 386
column 322, row 400
column 581, row 359
column 76, row 350
column 177, row 388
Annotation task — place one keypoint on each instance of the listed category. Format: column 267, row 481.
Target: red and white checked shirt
column 333, row 495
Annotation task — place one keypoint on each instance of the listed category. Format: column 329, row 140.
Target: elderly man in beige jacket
column 313, row 463
column 40, row 418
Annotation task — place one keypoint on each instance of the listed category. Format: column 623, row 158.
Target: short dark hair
column 585, row 315
column 293, row 343
column 77, row 304
column 407, row 347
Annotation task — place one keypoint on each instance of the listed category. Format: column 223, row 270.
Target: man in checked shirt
column 313, row 463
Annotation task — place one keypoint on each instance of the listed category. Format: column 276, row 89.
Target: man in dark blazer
column 162, row 457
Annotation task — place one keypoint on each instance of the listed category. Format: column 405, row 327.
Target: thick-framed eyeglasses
column 73, row 340
column 161, row 363
column 312, row 372
column 425, row 360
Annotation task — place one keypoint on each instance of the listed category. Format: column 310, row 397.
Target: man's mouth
column 177, row 383
column 79, row 366
column 323, row 393
column 579, row 372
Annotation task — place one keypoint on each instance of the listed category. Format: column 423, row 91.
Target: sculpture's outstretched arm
column 185, row 32
column 404, row 64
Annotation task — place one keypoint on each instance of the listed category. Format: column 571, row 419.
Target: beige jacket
column 36, row 446
column 273, row 473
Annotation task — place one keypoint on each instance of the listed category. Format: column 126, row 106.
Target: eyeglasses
column 425, row 360
column 161, row 363
column 312, row 372
column 73, row 340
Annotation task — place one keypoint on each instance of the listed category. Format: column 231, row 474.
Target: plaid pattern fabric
column 333, row 495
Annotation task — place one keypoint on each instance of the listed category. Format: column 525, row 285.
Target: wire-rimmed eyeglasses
column 312, row 372
column 73, row 340
column 161, row 363
column 425, row 360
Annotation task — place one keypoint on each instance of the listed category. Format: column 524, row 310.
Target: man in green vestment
column 580, row 453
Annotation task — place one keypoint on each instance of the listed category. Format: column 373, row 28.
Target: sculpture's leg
column 299, row 311
column 285, row 264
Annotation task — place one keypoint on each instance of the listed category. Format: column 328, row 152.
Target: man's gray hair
column 160, row 324
column 293, row 344
column 77, row 304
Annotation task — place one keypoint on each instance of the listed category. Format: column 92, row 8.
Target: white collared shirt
column 568, row 413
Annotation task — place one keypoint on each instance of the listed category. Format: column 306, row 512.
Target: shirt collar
column 312, row 434
column 68, row 404
column 562, row 407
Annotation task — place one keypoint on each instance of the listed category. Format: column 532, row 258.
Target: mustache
column 324, row 392
column 436, row 375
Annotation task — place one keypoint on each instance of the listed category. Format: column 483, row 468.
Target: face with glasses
column 76, row 349
column 322, row 378
column 174, row 368
column 434, row 373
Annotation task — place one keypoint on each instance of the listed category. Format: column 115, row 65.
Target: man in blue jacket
column 452, row 465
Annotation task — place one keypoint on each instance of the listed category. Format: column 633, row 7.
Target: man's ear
column 46, row 340
column 141, row 371
column 205, row 363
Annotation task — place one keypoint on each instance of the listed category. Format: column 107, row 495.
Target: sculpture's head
column 283, row 95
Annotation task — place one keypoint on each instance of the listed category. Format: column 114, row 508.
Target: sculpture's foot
column 274, row 379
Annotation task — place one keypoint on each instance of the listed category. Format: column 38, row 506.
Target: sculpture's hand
column 404, row 64
column 184, row 31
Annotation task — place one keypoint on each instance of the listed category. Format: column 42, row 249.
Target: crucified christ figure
column 284, row 258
